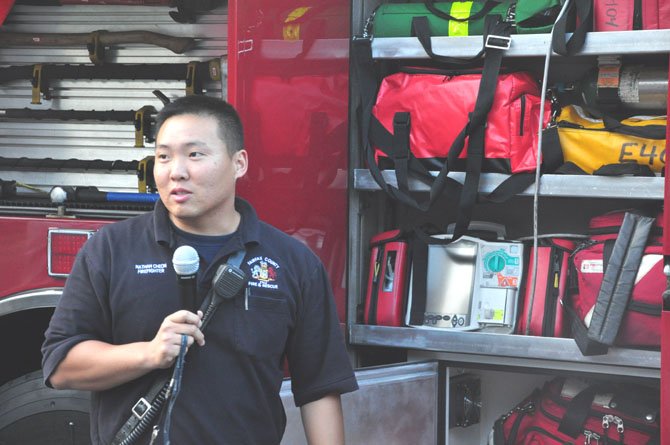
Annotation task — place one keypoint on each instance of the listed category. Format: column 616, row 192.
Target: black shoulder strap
column 476, row 126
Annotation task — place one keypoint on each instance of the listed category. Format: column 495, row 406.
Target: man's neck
column 215, row 226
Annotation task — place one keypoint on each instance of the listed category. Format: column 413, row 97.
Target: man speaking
column 120, row 327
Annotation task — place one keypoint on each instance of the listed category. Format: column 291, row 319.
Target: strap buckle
column 498, row 42
column 141, row 408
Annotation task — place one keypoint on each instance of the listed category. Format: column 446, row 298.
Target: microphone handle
column 187, row 291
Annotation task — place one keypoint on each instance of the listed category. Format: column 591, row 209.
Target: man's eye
column 162, row 157
column 195, row 154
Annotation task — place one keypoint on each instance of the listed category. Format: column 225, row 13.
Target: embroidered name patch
column 143, row 269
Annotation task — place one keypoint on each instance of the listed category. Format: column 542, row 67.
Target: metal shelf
column 526, row 45
column 510, row 350
column 550, row 185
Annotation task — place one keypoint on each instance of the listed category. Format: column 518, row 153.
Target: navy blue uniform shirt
column 123, row 285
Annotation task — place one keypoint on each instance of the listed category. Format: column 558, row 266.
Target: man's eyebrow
column 194, row 143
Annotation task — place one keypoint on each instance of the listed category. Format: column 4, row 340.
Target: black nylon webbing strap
column 401, row 151
column 475, row 128
column 619, row 278
column 492, row 61
column 421, row 30
column 576, row 41
column 576, row 412
column 148, row 407
column 419, row 281
column 373, row 130
column 552, row 159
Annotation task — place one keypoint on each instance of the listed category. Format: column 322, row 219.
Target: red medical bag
column 541, row 312
column 641, row 323
column 387, row 279
column 574, row 411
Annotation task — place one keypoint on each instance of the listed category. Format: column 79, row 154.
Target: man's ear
column 240, row 163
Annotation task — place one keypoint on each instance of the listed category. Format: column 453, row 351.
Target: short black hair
column 230, row 126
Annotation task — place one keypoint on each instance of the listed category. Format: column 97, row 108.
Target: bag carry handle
column 577, row 411
column 576, row 41
column 616, row 126
column 488, row 6
column 641, row 131
column 421, row 30
column 624, row 169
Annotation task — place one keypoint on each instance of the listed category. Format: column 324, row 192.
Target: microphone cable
column 175, row 386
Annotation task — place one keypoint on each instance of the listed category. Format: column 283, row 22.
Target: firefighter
column 119, row 324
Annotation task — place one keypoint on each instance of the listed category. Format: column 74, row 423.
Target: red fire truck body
column 288, row 75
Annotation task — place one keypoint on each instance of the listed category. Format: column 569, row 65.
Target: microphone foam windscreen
column 185, row 260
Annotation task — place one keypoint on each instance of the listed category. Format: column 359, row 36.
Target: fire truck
column 69, row 165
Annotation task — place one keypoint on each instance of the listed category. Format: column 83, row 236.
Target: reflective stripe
column 459, row 10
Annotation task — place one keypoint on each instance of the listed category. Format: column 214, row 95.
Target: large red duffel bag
column 427, row 123
column 626, row 15
column 438, row 105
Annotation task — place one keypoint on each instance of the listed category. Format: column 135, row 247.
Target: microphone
column 186, row 263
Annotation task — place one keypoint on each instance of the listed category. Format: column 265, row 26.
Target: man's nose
column 178, row 168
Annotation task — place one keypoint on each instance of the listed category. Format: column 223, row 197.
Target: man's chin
column 179, row 213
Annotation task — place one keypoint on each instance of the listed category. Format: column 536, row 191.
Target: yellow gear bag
column 603, row 145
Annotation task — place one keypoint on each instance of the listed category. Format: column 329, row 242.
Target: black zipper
column 523, row 113
column 637, row 15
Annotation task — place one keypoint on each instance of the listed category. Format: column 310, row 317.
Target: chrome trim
column 33, row 299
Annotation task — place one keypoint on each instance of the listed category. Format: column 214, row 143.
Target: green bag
column 465, row 18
